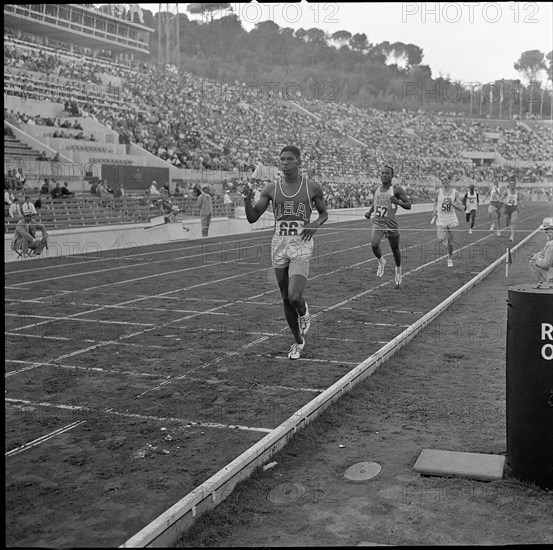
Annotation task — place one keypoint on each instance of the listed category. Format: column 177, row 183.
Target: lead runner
column 292, row 245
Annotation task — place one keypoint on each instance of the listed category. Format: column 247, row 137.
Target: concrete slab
column 453, row 463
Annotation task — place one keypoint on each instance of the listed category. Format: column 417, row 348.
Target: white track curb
column 165, row 529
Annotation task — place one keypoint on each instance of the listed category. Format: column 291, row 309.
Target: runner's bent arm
column 254, row 211
column 318, row 201
column 400, row 198
column 455, row 199
column 435, row 210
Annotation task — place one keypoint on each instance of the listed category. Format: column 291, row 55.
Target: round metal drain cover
column 286, row 493
column 363, row 471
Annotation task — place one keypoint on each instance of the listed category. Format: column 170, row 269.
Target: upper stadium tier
column 197, row 123
column 83, row 24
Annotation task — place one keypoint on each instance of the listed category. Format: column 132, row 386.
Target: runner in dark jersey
column 293, row 199
column 387, row 197
column 470, row 201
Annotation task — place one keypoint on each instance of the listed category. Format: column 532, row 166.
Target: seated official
column 24, row 241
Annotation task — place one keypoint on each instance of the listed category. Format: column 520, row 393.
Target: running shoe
column 470, row 231
column 492, row 227
column 295, row 350
column 450, row 263
column 304, row 321
column 511, row 239
column 498, row 233
column 380, row 270
column 398, row 278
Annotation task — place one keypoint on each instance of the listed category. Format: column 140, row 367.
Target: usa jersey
column 292, row 212
column 384, row 210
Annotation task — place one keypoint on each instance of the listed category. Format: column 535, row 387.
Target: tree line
column 337, row 67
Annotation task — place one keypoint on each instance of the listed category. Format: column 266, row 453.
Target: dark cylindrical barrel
column 530, row 384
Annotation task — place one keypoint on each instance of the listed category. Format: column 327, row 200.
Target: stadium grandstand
column 79, row 84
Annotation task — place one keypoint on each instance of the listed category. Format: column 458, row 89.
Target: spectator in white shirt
column 15, row 210
column 227, row 201
column 28, row 207
column 152, row 190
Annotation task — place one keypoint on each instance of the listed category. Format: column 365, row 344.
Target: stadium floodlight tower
column 168, row 39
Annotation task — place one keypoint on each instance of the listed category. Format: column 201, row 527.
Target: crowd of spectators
column 102, row 59
column 14, row 180
column 26, row 85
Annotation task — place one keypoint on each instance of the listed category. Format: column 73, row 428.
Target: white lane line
column 224, row 279
column 101, row 307
column 152, row 375
column 185, row 423
column 314, row 360
column 394, row 325
column 264, row 303
column 172, row 258
column 126, row 257
column 16, row 288
column 44, row 438
column 72, row 339
column 91, row 369
column 164, row 260
column 99, row 321
column 195, row 299
column 25, row 369
column 59, row 358
column 278, row 335
column 404, row 310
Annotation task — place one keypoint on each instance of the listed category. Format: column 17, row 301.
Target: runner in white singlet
column 511, row 200
column 445, row 204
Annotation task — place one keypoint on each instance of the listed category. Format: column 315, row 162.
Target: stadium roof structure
column 87, row 27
